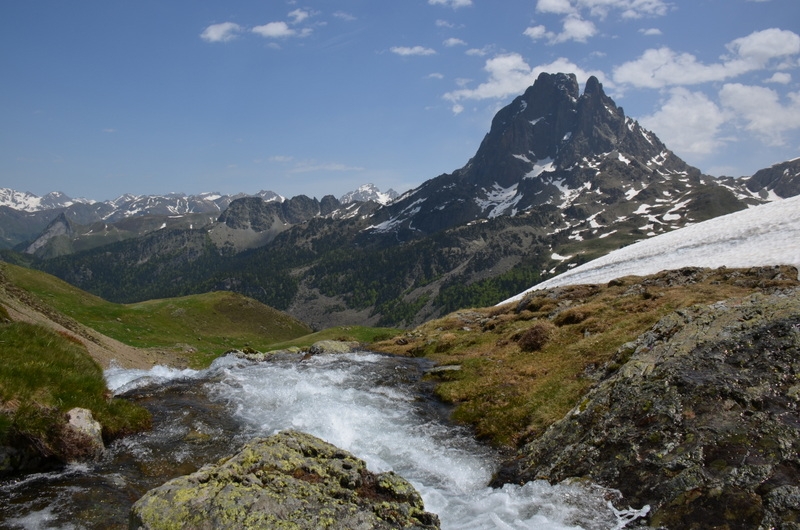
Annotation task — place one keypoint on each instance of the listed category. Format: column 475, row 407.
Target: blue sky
column 100, row 98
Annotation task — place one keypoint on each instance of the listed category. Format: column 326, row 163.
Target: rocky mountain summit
column 554, row 148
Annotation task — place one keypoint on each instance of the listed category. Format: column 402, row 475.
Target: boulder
column 82, row 436
column 333, row 346
column 698, row 418
column 289, row 480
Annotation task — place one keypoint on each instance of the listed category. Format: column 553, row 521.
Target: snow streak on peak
column 369, row 192
column 761, row 236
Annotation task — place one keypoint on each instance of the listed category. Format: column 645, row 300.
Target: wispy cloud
column 274, row 30
column 223, row 32
column 347, row 17
column 299, row 15
column 576, row 24
column 455, row 4
column 454, row 42
column 412, row 50
column 649, row 32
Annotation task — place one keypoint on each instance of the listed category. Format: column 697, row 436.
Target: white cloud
column 650, row 32
column 221, row 32
column 658, row 68
column 574, row 28
column 274, row 30
column 454, row 42
column 780, row 77
column 536, row 32
column 444, row 24
column 479, row 52
column 435, row 75
column 413, row 50
column 559, row 7
column 630, row 9
column 758, row 48
column 347, row 17
column 298, row 15
column 509, row 75
column 455, row 4
column 688, row 122
column 760, row 110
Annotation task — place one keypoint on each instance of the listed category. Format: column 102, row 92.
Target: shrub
column 535, row 337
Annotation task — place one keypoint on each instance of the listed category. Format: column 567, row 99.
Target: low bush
column 534, row 338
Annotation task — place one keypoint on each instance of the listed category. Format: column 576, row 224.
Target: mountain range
column 562, row 177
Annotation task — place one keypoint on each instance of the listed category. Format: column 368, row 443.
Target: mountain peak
column 369, row 192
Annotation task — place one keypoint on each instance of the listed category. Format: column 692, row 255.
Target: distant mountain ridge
column 561, row 178
column 32, row 215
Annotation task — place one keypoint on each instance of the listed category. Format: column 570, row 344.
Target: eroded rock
column 289, row 480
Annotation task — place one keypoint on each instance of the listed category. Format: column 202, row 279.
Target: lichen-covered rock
column 290, row 480
column 701, row 422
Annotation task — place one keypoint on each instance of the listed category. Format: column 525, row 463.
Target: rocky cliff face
column 699, row 418
column 781, row 179
column 289, row 480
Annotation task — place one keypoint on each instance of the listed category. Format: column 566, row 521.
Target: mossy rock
column 290, row 480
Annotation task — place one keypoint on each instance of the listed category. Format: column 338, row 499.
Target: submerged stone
column 289, row 480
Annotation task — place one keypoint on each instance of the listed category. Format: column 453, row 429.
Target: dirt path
column 102, row 348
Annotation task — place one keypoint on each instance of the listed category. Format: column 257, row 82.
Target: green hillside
column 205, row 325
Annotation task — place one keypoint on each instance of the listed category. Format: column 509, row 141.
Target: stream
column 375, row 406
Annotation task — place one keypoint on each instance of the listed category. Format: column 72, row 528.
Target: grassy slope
column 42, row 376
column 209, row 324
column 513, row 383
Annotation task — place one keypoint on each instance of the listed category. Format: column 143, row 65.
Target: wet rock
column 701, row 421
column 289, row 480
column 333, row 346
column 83, row 435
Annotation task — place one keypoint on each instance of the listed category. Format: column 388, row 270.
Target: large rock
column 289, row 480
column 699, row 418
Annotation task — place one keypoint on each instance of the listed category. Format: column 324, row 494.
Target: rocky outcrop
column 699, row 418
column 289, row 480
column 781, row 179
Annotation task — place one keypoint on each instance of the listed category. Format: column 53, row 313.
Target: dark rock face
column 289, row 480
column 782, row 179
column 701, row 421
column 552, row 146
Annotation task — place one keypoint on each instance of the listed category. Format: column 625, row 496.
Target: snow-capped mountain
column 28, row 202
column 554, row 148
column 369, row 192
column 764, row 235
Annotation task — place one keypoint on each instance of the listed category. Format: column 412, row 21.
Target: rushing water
column 374, row 406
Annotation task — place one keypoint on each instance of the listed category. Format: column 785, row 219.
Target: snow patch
column 762, row 236
column 539, row 167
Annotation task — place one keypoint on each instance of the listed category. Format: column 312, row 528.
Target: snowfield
column 764, row 235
